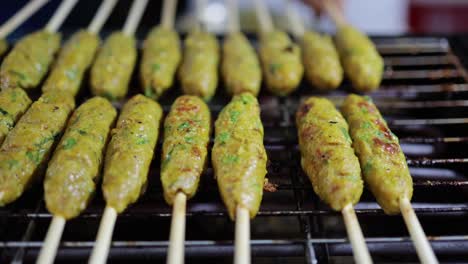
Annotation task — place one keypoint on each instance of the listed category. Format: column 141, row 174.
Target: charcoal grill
column 424, row 98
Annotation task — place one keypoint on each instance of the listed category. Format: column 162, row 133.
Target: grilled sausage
column 161, row 56
column 27, row 64
column 73, row 60
column 240, row 66
column 186, row 137
column 73, row 170
column 326, row 153
column 13, row 103
column 239, row 157
column 382, row 161
column 281, row 62
column 198, row 72
column 321, row 61
column 361, row 61
column 113, row 67
column 130, row 151
column 27, row 147
column 3, row 46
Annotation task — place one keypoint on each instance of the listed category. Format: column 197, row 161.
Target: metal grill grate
column 424, row 97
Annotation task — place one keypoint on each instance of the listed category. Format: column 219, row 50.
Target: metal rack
column 424, row 97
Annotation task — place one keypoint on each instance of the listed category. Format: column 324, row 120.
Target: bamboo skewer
column 59, row 16
column 21, row 16
column 296, row 25
column 168, row 13
column 423, row 248
column 134, row 17
column 335, row 13
column 54, row 233
column 265, row 22
column 233, row 18
column 177, row 234
column 356, row 238
column 106, row 227
column 242, row 236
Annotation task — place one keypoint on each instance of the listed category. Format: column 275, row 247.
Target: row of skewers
column 238, row 156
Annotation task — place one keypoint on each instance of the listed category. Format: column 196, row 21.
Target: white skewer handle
column 51, row 241
column 101, row 16
column 242, row 239
column 133, row 19
column 168, row 13
column 22, row 15
column 297, row 27
column 361, row 253
column 233, row 19
column 177, row 236
column 62, row 12
column 104, row 236
column 423, row 248
column 263, row 16
column 335, row 13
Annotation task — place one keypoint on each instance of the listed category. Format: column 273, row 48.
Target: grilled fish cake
column 361, row 60
column 74, row 168
column 13, row 103
column 239, row 157
column 240, row 66
column 27, row 64
column 321, row 61
column 281, row 62
column 198, row 72
column 186, row 138
column 27, row 147
column 112, row 70
column 382, row 161
column 161, row 56
column 130, row 152
column 73, row 60
column 326, row 153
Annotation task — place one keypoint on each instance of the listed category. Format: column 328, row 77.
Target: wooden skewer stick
column 22, row 15
column 133, row 19
column 423, row 248
column 295, row 23
column 52, row 239
column 265, row 22
column 335, row 13
column 168, row 13
column 104, row 236
column 233, row 18
column 101, row 16
column 199, row 5
column 242, row 238
column 177, row 235
column 59, row 16
column 361, row 253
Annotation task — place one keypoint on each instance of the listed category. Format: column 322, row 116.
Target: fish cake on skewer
column 130, row 152
column 13, row 103
column 239, row 157
column 73, row 171
column 383, row 163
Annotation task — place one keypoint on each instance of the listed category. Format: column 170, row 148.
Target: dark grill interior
column 424, row 98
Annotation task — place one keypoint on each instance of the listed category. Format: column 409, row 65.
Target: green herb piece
column 223, row 137
column 345, row 133
column 21, row 75
column 189, row 139
column 69, row 143
column 12, row 163
column 149, row 92
column 183, row 126
column 367, row 167
column 142, row 141
column 228, row 158
column 234, row 115
column 274, row 67
column 34, row 156
column 366, row 125
column 246, row 99
column 155, row 67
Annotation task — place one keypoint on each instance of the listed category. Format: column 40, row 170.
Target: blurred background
column 377, row 17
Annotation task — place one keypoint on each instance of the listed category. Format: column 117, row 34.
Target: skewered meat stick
column 73, row 171
column 186, row 137
column 359, row 57
column 112, row 70
column 77, row 54
column 319, row 55
column 161, row 54
column 384, row 166
column 239, row 162
column 17, row 19
column 240, row 66
column 27, row 147
column 13, row 103
column 26, row 65
column 198, row 72
column 329, row 160
column 126, row 166
column 280, row 57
